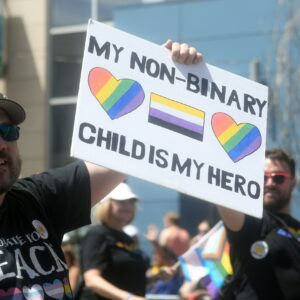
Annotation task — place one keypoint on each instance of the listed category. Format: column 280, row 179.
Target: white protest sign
column 197, row 129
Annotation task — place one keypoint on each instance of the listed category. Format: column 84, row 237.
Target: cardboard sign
column 197, row 129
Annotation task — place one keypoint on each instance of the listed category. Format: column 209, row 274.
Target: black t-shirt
column 268, row 257
column 114, row 254
column 35, row 214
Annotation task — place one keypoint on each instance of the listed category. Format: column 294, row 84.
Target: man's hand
column 182, row 53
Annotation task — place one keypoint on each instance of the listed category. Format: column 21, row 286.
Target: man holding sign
column 265, row 252
column 199, row 130
column 36, row 212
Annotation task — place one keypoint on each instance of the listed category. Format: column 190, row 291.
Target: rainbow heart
column 238, row 140
column 11, row 294
column 117, row 97
column 55, row 289
column 34, row 293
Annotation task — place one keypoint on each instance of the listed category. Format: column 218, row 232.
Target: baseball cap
column 15, row 111
column 121, row 192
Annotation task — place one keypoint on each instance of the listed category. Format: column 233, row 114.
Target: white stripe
column 177, row 113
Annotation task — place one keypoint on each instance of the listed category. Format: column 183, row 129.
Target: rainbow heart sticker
column 238, row 140
column 117, row 97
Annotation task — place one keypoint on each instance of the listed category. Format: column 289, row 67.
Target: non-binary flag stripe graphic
column 176, row 116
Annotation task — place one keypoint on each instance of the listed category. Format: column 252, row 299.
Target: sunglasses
column 9, row 132
column 277, row 178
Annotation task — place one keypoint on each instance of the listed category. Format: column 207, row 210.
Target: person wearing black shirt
column 265, row 253
column 111, row 262
column 36, row 212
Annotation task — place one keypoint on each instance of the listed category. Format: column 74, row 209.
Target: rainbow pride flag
column 176, row 116
column 208, row 260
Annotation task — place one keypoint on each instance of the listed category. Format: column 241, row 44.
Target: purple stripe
column 252, row 147
column 133, row 104
column 213, row 290
column 177, row 121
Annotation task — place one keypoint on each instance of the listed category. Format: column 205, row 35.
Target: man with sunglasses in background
column 265, row 253
column 35, row 212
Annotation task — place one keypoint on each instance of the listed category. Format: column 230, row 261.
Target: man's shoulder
column 184, row 233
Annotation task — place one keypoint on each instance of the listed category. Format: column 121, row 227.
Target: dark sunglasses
column 277, row 178
column 9, row 132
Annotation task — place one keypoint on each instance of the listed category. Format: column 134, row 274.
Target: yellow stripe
column 229, row 132
column 107, row 90
column 176, row 105
column 225, row 261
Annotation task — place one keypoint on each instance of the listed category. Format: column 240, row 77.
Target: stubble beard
column 10, row 176
column 278, row 204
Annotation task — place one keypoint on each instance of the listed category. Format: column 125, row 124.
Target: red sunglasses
column 277, row 178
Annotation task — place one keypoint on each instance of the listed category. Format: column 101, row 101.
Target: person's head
column 171, row 218
column 279, row 180
column 203, row 227
column 118, row 207
column 11, row 115
column 163, row 256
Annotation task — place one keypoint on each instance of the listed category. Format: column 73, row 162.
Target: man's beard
column 279, row 203
column 10, row 176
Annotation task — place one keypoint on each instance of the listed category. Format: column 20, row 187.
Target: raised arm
column 102, row 181
column 234, row 220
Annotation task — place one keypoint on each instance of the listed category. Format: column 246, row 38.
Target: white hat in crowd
column 121, row 192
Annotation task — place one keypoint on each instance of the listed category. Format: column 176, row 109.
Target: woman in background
column 112, row 265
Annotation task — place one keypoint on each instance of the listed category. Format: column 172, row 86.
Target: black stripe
column 178, row 129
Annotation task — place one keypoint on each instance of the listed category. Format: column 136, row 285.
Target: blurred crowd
column 109, row 259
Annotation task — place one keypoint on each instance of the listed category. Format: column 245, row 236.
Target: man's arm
column 102, row 181
column 234, row 220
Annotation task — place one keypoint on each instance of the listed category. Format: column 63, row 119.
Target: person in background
column 203, row 228
column 162, row 277
column 113, row 267
column 159, row 279
column 73, row 265
column 265, row 253
column 173, row 236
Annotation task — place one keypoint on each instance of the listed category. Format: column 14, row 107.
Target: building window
column 67, row 52
column 62, row 120
column 69, row 12
column 106, row 7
